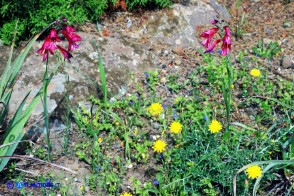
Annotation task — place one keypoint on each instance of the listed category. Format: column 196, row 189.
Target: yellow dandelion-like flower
column 126, row 194
column 155, row 109
column 255, row 72
column 159, row 146
column 215, row 126
column 82, row 188
column 175, row 127
column 232, row 86
column 100, row 140
column 116, row 123
column 253, row 171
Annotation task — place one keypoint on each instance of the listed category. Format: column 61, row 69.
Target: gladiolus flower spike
column 49, row 45
column 208, row 35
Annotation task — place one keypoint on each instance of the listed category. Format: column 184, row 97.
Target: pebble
column 178, row 61
column 130, row 166
column 288, row 61
column 287, row 25
column 179, row 51
column 165, row 52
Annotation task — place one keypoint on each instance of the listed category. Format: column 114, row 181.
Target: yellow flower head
column 126, row 194
column 253, row 171
column 175, row 127
column 215, row 126
column 155, row 109
column 100, row 140
column 255, row 72
column 82, row 188
column 159, row 146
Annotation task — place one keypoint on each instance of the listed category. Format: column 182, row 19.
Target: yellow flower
column 255, row 72
column 159, row 146
column 116, row 123
column 136, row 132
column 100, row 140
column 215, row 126
column 82, row 188
column 232, row 86
column 175, row 127
column 253, row 171
column 155, row 109
column 126, row 194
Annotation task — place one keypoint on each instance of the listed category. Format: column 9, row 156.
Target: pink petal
column 211, row 47
column 65, row 53
column 227, row 30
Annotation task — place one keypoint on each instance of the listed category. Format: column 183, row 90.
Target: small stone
column 165, row 52
column 287, row 25
column 178, row 41
column 76, row 179
column 179, row 51
column 178, row 61
column 288, row 61
column 130, row 166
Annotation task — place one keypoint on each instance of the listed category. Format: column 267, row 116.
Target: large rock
column 135, row 48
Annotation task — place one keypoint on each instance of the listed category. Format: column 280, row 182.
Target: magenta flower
column 64, row 53
column 211, row 46
column 226, row 46
column 71, row 37
column 49, row 44
column 208, row 36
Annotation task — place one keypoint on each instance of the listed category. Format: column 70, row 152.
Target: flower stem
column 46, row 116
column 227, row 91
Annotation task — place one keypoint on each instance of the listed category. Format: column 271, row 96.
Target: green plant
column 36, row 15
column 142, row 150
column 102, row 75
column 227, row 89
column 270, row 165
column 266, row 51
column 241, row 20
column 14, row 131
column 8, row 29
column 131, row 4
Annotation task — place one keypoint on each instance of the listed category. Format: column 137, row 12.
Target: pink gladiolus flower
column 226, row 46
column 64, row 53
column 208, row 36
column 71, row 37
column 49, row 44
column 211, row 46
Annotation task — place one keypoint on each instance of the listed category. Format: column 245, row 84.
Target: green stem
column 46, row 116
column 227, row 92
